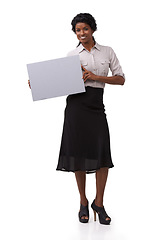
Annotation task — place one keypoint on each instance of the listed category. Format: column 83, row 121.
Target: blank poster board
column 56, row 77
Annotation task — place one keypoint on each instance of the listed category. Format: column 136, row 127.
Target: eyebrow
column 83, row 27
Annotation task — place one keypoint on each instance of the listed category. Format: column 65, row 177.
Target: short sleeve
column 115, row 66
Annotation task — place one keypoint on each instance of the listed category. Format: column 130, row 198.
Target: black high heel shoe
column 101, row 214
column 84, row 212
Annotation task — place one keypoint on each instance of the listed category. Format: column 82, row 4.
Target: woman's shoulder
column 72, row 52
column 103, row 47
column 105, row 50
column 76, row 51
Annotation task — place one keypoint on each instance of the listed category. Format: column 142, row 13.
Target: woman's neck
column 89, row 45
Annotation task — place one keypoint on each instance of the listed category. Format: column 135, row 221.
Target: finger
column 83, row 68
column 29, row 84
column 86, row 76
column 83, row 79
column 86, row 72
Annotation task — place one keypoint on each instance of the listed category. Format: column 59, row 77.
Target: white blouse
column 98, row 61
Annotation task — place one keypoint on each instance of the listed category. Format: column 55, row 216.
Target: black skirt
column 85, row 144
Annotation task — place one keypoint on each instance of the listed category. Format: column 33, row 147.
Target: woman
column 85, row 145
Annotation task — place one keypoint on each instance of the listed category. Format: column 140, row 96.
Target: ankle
column 84, row 201
column 99, row 202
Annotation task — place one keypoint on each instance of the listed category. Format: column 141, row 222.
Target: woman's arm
column 118, row 80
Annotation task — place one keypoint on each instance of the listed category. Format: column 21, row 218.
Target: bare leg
column 101, row 179
column 81, row 182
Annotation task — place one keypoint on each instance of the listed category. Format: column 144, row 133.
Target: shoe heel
column 94, row 215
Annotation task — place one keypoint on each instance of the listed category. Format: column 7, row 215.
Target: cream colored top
column 98, row 61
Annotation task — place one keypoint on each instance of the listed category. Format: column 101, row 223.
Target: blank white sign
column 56, row 77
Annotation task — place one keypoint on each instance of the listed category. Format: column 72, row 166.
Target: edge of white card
column 55, row 77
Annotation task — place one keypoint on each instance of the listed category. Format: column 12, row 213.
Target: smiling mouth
column 82, row 37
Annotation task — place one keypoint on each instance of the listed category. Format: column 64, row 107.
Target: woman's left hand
column 88, row 75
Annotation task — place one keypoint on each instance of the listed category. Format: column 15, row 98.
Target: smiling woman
column 84, row 26
column 85, row 145
column 84, row 33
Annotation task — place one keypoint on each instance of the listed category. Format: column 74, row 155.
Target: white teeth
column 83, row 37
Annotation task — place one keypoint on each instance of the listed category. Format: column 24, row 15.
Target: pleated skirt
column 85, row 143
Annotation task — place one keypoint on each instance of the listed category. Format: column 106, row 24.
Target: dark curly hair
column 84, row 18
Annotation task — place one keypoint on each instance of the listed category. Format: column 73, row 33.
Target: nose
column 82, row 32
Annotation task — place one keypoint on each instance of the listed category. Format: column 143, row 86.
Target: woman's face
column 84, row 32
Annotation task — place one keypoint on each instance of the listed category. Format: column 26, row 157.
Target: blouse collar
column 80, row 48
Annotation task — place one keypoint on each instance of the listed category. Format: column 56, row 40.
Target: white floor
column 40, row 207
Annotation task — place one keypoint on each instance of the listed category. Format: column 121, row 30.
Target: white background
column 36, row 201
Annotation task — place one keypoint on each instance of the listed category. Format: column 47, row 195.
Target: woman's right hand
column 29, row 84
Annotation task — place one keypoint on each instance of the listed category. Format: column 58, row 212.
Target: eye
column 86, row 28
column 77, row 30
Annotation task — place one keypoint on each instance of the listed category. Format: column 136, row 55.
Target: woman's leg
column 101, row 179
column 81, row 182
